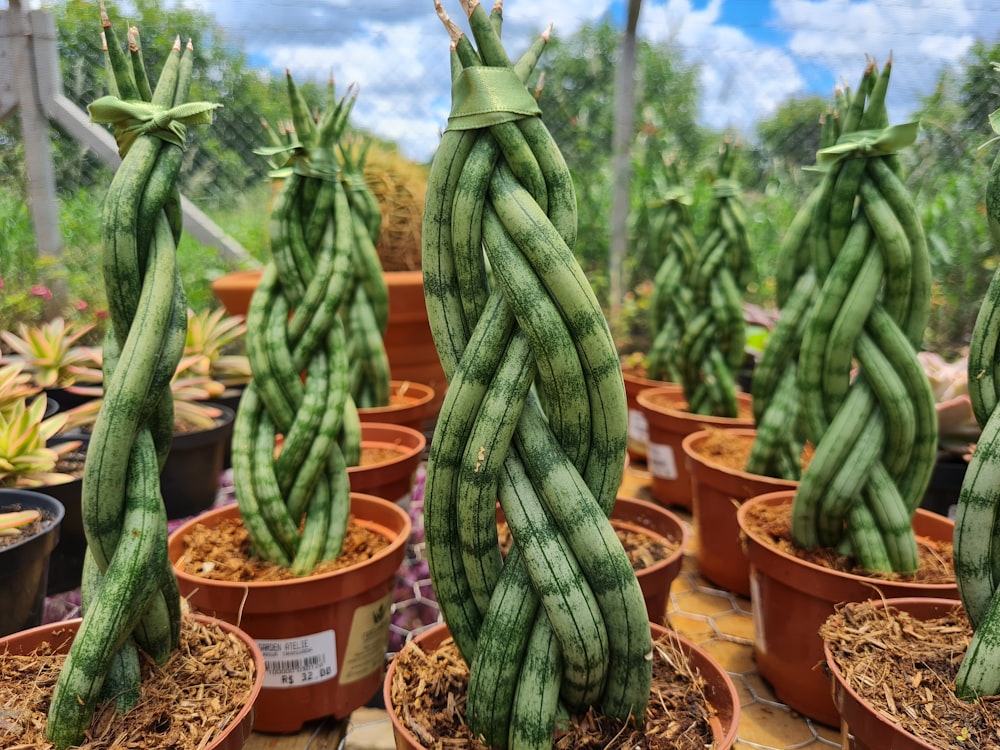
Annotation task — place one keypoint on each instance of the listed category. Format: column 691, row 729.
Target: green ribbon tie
column 482, row 96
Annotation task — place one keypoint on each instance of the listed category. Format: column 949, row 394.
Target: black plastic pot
column 944, row 487
column 24, row 566
column 189, row 481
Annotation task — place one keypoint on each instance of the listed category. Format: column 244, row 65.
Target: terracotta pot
column 638, row 427
column 60, row 635
column 719, row 689
column 411, row 405
column 408, row 340
column 717, row 492
column 235, row 289
column 24, row 566
column 648, row 518
column 869, row 728
column 391, row 478
column 669, row 423
column 324, row 637
column 792, row 598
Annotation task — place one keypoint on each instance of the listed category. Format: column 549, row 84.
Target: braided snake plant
column 780, row 436
column 710, row 350
column 670, row 230
column 534, row 415
column 866, row 402
column 129, row 593
column 295, row 505
column 977, row 521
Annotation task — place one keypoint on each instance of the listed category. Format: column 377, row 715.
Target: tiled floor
column 717, row 620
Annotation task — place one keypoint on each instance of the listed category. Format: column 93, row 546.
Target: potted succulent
column 710, row 352
column 29, row 532
column 33, row 457
column 54, row 357
column 956, row 643
column 534, row 416
column 129, row 594
column 867, row 407
column 321, row 613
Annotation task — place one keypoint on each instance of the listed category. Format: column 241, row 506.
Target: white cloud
column 921, row 36
column 396, row 50
column 741, row 79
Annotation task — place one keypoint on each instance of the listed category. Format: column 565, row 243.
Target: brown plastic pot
column 717, row 492
column 324, row 637
column 235, row 289
column 719, row 688
column 410, row 405
column 869, row 729
column 59, row 636
column 792, row 598
column 408, row 340
column 655, row 581
column 391, row 478
column 638, row 427
column 669, row 423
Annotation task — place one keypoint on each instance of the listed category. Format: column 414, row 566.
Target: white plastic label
column 660, row 459
column 292, row 662
column 638, row 426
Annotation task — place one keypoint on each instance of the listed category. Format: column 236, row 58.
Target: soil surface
column 200, row 689
column 642, row 549
column 731, row 451
column 773, row 523
column 431, row 688
column 222, row 553
column 906, row 669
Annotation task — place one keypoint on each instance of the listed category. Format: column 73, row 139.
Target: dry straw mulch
column 429, row 690
column 185, row 703
column 906, row 667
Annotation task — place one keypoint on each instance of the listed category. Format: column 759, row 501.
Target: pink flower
column 82, row 305
column 1, row 282
column 41, row 291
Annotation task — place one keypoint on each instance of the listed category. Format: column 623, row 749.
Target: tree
column 791, row 135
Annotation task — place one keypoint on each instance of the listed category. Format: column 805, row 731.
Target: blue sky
column 752, row 54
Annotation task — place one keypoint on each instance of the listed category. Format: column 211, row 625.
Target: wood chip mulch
column 184, row 704
column 906, row 668
column 430, row 691
column 936, row 557
column 223, row 553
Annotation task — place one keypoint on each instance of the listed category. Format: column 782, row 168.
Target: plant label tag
column 638, row 426
column 367, row 641
column 661, row 461
column 293, row 662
